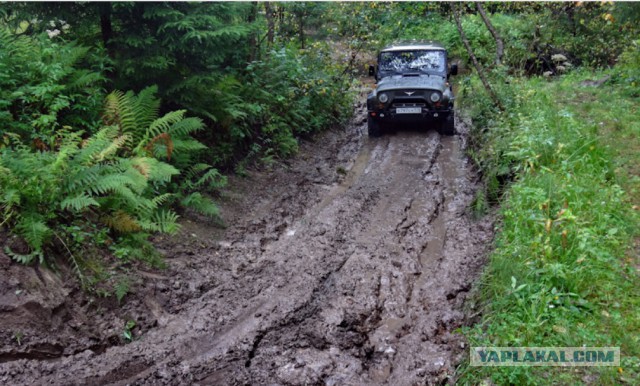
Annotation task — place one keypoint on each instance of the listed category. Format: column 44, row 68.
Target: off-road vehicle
column 412, row 87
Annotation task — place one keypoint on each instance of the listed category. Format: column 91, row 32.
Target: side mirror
column 372, row 70
column 454, row 69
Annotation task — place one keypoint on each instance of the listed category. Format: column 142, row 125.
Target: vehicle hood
column 421, row 82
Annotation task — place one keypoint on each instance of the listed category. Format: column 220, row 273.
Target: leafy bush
column 166, row 138
column 45, row 191
column 47, row 85
column 287, row 95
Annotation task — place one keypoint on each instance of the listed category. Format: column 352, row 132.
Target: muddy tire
column 374, row 127
column 447, row 127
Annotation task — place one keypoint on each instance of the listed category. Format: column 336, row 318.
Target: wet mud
column 349, row 265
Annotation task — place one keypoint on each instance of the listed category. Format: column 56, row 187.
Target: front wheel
column 375, row 128
column 447, row 127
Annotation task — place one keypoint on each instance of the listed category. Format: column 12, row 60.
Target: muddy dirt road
column 350, row 267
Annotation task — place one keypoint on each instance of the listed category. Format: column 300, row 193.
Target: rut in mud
column 350, row 268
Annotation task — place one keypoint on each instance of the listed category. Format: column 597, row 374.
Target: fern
column 160, row 171
column 122, row 222
column 121, row 288
column 149, row 106
column 46, row 86
column 43, row 191
column 202, row 205
column 164, row 124
column 78, row 203
column 163, row 199
column 186, row 126
column 34, row 230
column 24, row 259
column 162, row 221
column 212, row 178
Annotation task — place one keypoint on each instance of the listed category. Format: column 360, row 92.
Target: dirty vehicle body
column 412, row 88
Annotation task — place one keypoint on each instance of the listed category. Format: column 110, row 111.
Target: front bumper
column 425, row 115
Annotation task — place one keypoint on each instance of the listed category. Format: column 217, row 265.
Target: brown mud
column 349, row 265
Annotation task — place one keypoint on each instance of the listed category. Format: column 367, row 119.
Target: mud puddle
column 349, row 267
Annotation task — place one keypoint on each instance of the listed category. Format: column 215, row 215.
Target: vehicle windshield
column 411, row 61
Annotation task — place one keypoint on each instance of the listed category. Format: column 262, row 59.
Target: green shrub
column 42, row 192
column 45, row 86
column 168, row 138
column 287, row 95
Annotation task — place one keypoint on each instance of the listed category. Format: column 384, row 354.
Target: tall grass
column 561, row 273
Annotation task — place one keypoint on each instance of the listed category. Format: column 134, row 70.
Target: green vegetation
column 562, row 162
column 218, row 87
column 90, row 172
column 559, row 274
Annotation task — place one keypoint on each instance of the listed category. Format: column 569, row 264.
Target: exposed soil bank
column 350, row 266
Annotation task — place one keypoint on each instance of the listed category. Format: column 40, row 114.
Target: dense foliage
column 47, row 85
column 83, row 162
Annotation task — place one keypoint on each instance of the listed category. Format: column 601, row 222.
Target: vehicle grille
column 409, row 102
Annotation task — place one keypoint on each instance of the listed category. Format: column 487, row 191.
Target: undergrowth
column 562, row 273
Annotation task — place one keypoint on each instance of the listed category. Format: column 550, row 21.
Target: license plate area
column 408, row 110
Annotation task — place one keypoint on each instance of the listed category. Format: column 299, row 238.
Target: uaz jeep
column 412, row 87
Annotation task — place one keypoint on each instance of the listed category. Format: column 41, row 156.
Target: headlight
column 384, row 98
column 435, row 97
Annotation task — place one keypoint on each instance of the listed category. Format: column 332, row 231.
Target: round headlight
column 435, row 97
column 384, row 98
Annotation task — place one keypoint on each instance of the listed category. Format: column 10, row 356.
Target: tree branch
column 494, row 32
column 477, row 65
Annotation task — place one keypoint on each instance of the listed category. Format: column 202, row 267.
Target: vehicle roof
column 414, row 45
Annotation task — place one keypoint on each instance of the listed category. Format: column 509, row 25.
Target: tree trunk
column 271, row 23
column 301, row 29
column 477, row 65
column 496, row 36
column 106, row 28
column 253, row 39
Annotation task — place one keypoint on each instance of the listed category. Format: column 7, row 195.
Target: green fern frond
column 24, row 259
column 75, row 266
column 196, row 169
column 96, row 144
column 148, row 106
column 112, row 148
column 186, row 126
column 84, row 78
column 9, row 200
column 163, row 199
column 111, row 183
column 83, row 178
column 162, row 221
column 201, row 204
column 34, row 231
column 78, row 203
column 161, row 171
column 212, row 178
column 145, row 207
column 112, row 107
column 68, row 148
column 187, row 145
column 122, row 110
column 121, row 288
column 164, row 123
